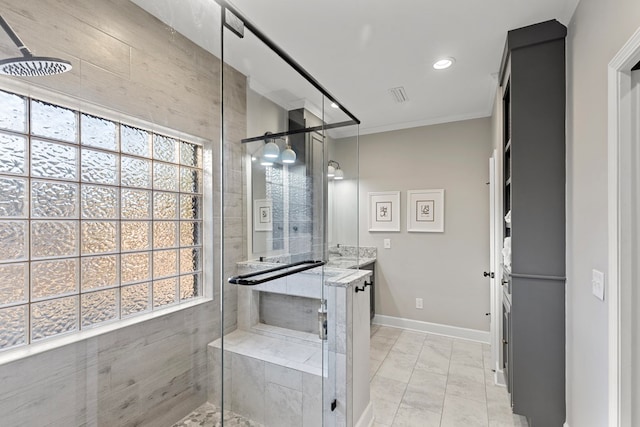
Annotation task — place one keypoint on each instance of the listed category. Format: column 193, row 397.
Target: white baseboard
column 366, row 419
column 433, row 328
column 498, row 378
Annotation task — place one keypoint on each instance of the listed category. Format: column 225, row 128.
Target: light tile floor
column 417, row 380
column 424, row 380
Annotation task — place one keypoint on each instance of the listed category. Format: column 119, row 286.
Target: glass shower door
column 277, row 360
column 271, row 353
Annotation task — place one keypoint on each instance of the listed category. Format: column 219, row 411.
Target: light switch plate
column 597, row 284
column 387, row 243
column 419, row 303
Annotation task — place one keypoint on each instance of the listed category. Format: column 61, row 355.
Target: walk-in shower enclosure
column 135, row 185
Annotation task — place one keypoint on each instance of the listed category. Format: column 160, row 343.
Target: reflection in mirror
column 268, row 207
column 287, row 197
column 342, row 172
column 286, row 174
column 266, row 189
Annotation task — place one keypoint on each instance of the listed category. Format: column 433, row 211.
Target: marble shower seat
column 274, row 376
column 302, row 353
column 270, row 378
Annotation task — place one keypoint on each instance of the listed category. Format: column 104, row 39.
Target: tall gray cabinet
column 533, row 80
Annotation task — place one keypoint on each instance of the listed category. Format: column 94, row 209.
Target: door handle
column 487, row 274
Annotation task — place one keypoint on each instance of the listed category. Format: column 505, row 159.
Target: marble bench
column 272, row 376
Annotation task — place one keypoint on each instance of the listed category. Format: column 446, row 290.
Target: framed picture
column 425, row 211
column 384, row 211
column 262, row 215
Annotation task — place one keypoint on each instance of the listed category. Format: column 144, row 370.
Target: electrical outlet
column 387, row 243
column 419, row 303
column 597, row 284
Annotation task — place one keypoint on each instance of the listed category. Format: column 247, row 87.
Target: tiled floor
column 423, row 380
column 417, row 380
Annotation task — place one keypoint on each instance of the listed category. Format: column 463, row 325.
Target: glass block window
column 99, row 220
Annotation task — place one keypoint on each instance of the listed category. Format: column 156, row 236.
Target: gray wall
column 124, row 60
column 598, row 30
column 445, row 269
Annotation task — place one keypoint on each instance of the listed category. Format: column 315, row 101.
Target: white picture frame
column 262, row 215
column 425, row 211
column 384, row 211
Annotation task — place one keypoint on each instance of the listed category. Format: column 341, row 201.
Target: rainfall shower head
column 33, row 66
column 29, row 65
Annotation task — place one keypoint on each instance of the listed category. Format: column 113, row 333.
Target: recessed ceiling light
column 334, row 105
column 443, row 63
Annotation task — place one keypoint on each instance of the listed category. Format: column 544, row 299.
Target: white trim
column 348, row 131
column 565, row 425
column 432, row 328
column 620, row 181
column 366, row 419
column 495, row 247
column 498, row 378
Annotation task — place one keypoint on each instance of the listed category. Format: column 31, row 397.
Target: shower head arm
column 14, row 37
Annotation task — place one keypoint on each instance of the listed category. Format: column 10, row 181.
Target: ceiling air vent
column 398, row 94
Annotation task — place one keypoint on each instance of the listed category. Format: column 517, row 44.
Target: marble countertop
column 349, row 279
column 333, row 275
column 349, row 262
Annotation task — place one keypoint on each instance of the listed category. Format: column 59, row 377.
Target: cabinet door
column 506, row 329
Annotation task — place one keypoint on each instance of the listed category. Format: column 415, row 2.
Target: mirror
column 342, row 221
column 287, row 188
column 284, row 214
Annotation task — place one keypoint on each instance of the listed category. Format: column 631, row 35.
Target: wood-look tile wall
column 124, row 60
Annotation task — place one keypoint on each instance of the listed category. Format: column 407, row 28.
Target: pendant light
column 339, row 174
column 270, row 149
column 288, row 155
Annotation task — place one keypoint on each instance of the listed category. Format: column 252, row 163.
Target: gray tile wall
column 235, row 219
column 289, row 311
column 126, row 61
column 148, row 374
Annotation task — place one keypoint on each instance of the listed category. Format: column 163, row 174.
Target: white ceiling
column 359, row 49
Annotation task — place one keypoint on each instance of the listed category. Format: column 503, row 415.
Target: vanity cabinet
column 372, row 283
column 533, row 110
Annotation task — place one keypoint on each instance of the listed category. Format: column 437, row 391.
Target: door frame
column 622, row 191
column 495, row 238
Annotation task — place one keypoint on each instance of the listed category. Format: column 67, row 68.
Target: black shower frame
column 289, row 60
